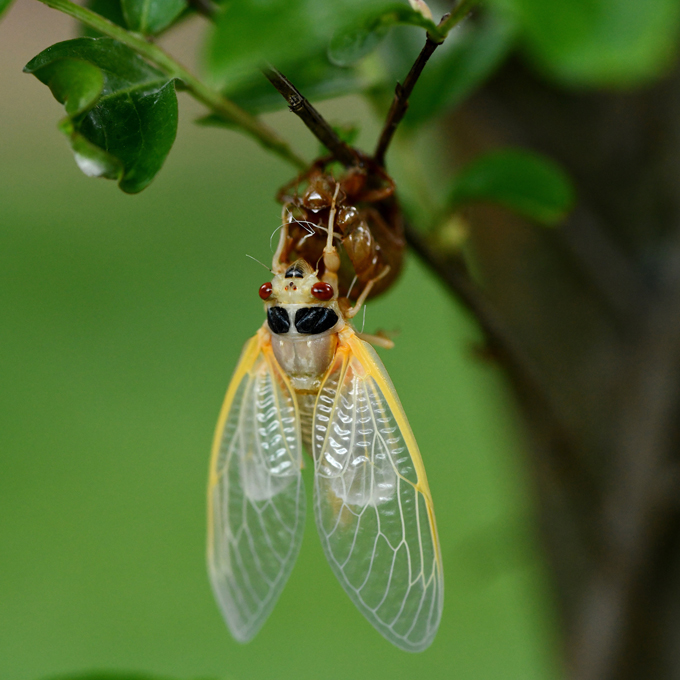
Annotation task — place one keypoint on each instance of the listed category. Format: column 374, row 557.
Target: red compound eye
column 322, row 291
column 265, row 290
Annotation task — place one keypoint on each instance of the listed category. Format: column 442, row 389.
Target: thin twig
column 316, row 123
column 403, row 92
column 223, row 107
column 400, row 101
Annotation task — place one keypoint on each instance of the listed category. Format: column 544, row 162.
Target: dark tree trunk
column 595, row 306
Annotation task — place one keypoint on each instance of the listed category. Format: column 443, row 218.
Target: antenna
column 258, row 262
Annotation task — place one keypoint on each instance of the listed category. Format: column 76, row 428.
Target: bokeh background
column 121, row 319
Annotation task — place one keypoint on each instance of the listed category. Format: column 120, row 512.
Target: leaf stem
column 221, row 106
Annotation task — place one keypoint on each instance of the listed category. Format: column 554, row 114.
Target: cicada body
column 307, row 379
column 368, row 221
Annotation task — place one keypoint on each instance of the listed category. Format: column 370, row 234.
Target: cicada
column 309, row 379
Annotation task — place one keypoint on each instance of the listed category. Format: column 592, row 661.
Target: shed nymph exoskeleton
column 368, row 222
column 308, row 379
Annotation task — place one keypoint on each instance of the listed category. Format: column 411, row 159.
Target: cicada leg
column 331, row 259
column 353, row 311
column 377, row 340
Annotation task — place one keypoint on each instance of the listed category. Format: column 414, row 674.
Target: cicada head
column 297, row 285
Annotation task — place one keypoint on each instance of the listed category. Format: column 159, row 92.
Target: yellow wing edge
column 251, row 350
column 260, row 343
column 367, row 357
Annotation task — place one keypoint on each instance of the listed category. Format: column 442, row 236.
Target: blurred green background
column 121, row 319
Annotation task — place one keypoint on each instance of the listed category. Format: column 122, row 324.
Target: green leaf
column 599, row 42
column 314, row 76
column 122, row 112
column 353, row 43
column 249, row 32
column 109, row 9
column 74, row 83
column 151, row 16
column 469, row 56
column 4, row 6
column 93, row 160
column 523, row 181
column 349, row 46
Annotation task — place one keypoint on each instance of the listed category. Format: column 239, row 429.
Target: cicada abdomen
column 368, row 221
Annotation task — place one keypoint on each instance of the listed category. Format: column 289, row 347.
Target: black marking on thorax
column 308, row 320
column 314, row 320
column 277, row 318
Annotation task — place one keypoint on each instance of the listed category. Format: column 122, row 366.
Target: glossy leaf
column 122, row 112
column 151, row 16
column 109, row 9
column 353, row 43
column 599, row 42
column 249, row 32
column 461, row 64
column 74, row 83
column 523, row 181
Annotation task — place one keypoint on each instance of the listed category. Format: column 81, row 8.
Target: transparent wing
column 256, row 502
column 372, row 503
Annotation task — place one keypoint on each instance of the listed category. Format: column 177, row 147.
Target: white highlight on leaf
column 91, row 166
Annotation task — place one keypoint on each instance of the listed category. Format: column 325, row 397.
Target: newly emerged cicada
column 308, row 379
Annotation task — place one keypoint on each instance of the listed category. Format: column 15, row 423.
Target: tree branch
column 456, row 279
column 400, row 101
column 314, row 121
column 403, row 92
column 212, row 99
column 634, row 503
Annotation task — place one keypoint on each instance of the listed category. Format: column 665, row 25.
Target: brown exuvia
column 369, row 223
